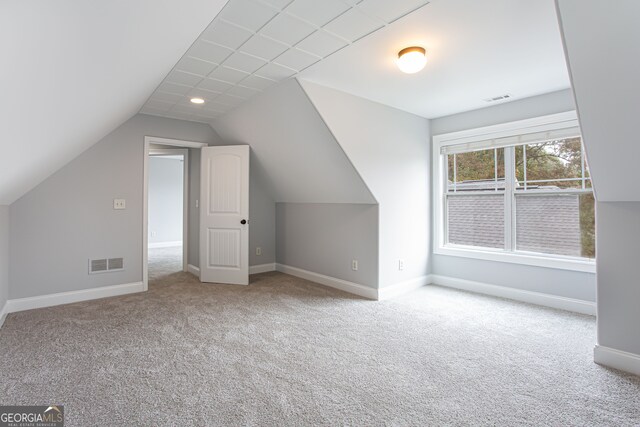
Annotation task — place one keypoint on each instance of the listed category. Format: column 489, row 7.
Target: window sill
column 573, row 264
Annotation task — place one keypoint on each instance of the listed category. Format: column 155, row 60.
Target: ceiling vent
column 498, row 98
column 105, row 265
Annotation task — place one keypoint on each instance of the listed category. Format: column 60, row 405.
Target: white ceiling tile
column 247, row 14
column 257, row 82
column 353, row 25
column 195, row 66
column 321, row 44
column 216, row 107
column 263, row 47
column 228, row 75
column 205, row 116
column 287, row 29
column 213, row 85
column 174, row 88
column 389, row 11
column 275, row 72
column 296, row 59
column 226, row 34
column 317, row 12
column 278, row 4
column 186, row 109
column 230, row 100
column 152, row 111
column 177, row 115
column 167, row 97
column 242, row 61
column 208, row 51
column 243, row 92
column 182, row 78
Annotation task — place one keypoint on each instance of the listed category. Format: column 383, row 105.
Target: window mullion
column 509, row 202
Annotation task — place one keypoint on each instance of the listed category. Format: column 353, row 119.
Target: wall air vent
column 498, row 98
column 105, row 265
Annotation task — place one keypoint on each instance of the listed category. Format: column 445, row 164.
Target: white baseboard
column 262, row 268
column 343, row 285
column 401, row 288
column 21, row 304
column 193, row 270
column 164, row 244
column 3, row 313
column 607, row 356
column 547, row 300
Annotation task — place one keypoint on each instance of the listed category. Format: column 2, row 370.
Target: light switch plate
column 119, row 204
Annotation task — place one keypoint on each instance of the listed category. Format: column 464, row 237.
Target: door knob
column 243, row 222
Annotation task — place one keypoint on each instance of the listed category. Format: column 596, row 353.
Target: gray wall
column 324, row 238
column 166, row 188
column 69, row 217
column 193, row 256
column 390, row 150
column 4, row 255
column 570, row 284
column 618, row 247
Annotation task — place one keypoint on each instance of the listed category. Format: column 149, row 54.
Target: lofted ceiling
column 74, row 70
column 476, row 50
column 254, row 44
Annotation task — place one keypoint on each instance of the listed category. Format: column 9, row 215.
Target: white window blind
column 527, row 138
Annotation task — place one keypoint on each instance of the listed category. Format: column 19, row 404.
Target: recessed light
column 412, row 59
column 197, row 100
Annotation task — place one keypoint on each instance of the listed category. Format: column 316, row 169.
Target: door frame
column 148, row 140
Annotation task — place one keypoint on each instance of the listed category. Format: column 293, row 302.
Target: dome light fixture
column 197, row 100
column 412, row 59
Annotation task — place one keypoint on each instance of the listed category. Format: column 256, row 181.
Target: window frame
column 440, row 179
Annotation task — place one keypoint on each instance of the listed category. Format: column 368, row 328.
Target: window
column 521, row 195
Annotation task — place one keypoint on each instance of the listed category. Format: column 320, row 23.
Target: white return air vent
column 105, row 265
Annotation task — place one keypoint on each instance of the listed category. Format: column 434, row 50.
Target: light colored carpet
column 284, row 351
column 164, row 261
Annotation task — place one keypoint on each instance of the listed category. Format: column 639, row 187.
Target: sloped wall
column 601, row 41
column 390, row 150
column 4, row 258
column 69, row 217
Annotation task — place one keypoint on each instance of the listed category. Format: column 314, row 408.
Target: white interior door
column 224, row 215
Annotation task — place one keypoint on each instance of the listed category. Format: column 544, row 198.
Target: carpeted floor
column 284, row 351
column 164, row 261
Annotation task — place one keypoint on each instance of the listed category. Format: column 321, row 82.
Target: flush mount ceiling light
column 412, row 59
column 197, row 100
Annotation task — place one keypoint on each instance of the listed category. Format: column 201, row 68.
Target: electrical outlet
column 400, row 264
column 354, row 265
column 197, row 203
column 154, row 233
column 258, row 251
column 119, row 204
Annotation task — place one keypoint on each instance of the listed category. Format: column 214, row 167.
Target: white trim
column 194, row 270
column 401, row 288
column 3, row 313
column 148, row 140
column 618, row 359
column 343, row 285
column 538, row 124
column 262, row 268
column 537, row 298
column 29, row 303
column 157, row 245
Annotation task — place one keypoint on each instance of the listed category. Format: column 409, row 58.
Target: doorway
column 166, row 219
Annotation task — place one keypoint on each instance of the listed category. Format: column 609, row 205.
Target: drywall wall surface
column 563, row 283
column 566, row 283
column 618, row 247
column 166, row 188
column 69, row 217
column 325, row 238
column 262, row 219
column 296, row 154
column 535, row 106
column 391, row 151
column 603, row 53
column 4, row 255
